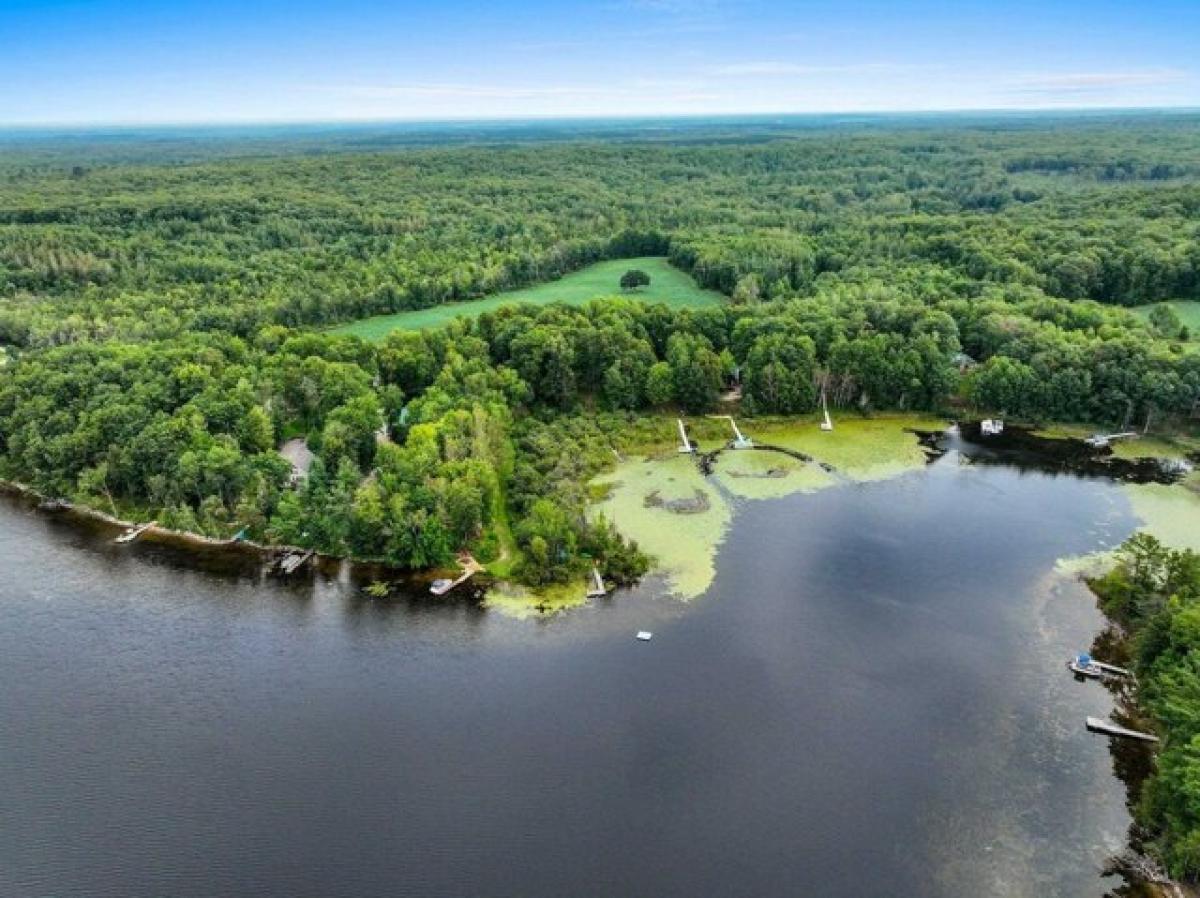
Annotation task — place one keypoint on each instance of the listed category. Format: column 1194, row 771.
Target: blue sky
column 64, row 61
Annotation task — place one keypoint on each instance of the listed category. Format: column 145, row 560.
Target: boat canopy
column 1084, row 659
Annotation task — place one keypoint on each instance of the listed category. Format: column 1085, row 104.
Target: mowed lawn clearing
column 668, row 285
column 1187, row 310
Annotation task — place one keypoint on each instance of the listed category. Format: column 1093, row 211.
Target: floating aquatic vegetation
column 859, row 448
column 1169, row 513
column 684, row 546
column 514, row 600
column 768, row 475
column 656, row 501
column 697, row 504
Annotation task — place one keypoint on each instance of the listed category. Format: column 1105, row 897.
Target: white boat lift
column 740, row 441
column 685, row 445
column 598, row 590
column 1104, row 440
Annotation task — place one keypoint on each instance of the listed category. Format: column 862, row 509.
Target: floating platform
column 1105, row 728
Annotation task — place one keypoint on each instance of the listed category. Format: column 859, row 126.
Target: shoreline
column 196, row 546
column 1022, row 444
column 1139, row 869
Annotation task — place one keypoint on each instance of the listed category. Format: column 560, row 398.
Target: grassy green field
column 667, row 285
column 1187, row 310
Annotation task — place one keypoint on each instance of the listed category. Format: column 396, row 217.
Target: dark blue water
column 871, row 700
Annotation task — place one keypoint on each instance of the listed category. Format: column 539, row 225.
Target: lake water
column 871, row 700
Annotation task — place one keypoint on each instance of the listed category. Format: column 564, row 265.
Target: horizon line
column 132, row 124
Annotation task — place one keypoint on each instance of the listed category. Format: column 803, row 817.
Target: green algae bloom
column 522, row 603
column 750, row 474
column 1171, row 514
column 859, row 448
column 684, row 546
column 637, row 496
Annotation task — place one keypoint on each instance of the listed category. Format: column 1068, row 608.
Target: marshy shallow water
column 869, row 699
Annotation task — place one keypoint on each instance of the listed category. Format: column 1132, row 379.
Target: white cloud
column 778, row 69
column 487, row 91
column 663, row 90
column 1098, row 82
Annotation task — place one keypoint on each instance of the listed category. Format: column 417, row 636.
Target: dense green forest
column 160, row 310
column 144, row 250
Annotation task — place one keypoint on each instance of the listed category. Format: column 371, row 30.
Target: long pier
column 1104, row 728
column 1112, row 670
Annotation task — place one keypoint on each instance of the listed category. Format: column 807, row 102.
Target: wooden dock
column 470, row 568
column 134, row 532
column 293, row 561
column 1105, row 728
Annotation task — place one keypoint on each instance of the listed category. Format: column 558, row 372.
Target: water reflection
column 869, row 700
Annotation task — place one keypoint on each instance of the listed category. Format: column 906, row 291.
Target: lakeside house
column 299, row 456
column 963, row 362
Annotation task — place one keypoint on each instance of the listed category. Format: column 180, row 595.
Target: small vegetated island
column 476, row 348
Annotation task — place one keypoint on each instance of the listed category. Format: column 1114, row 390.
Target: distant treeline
column 95, row 249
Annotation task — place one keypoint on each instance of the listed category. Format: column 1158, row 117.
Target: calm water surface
column 871, row 700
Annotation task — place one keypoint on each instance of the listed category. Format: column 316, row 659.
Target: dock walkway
column 1105, row 728
column 470, row 567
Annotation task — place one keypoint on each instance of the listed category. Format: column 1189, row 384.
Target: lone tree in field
column 633, row 279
